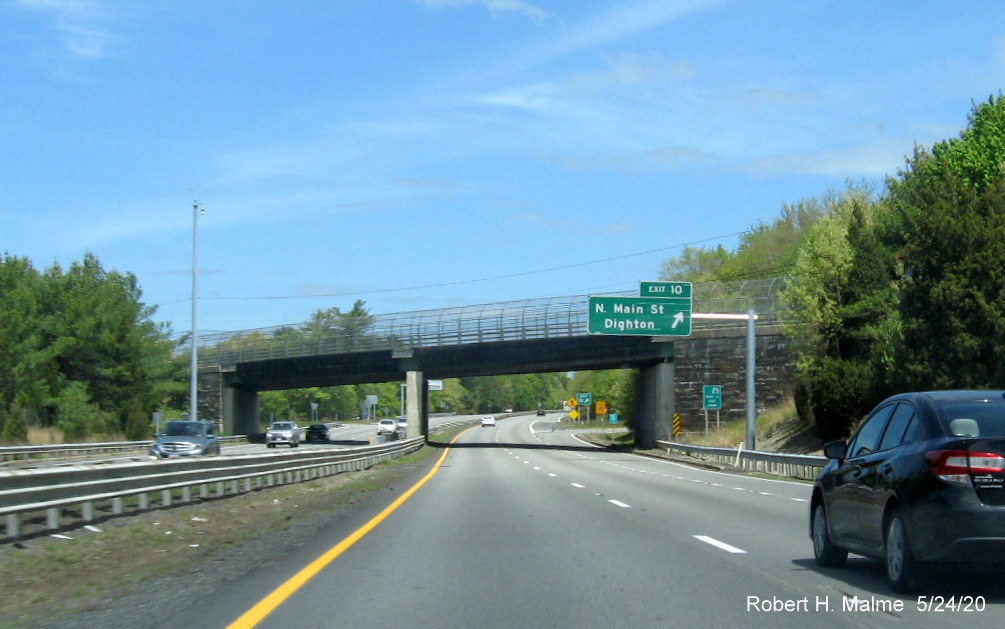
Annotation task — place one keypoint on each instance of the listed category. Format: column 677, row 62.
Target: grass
column 778, row 429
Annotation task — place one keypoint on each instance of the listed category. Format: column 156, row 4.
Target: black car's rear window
column 974, row 419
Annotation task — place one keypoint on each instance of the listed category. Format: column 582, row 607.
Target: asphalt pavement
column 520, row 525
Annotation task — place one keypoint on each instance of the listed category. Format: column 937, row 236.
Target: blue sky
column 422, row 154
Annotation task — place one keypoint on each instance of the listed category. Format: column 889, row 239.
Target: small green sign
column 711, row 395
column 584, row 399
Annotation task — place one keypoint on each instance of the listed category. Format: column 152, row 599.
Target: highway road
column 522, row 526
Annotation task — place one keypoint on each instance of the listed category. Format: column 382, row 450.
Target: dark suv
column 921, row 481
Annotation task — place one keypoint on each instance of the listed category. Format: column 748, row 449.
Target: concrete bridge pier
column 655, row 397
column 241, row 408
column 416, row 404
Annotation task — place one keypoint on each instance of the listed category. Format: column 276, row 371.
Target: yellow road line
column 278, row 596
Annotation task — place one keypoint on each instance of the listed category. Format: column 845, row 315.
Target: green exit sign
column 645, row 316
column 665, row 289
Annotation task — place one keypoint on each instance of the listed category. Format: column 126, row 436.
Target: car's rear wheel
column 826, row 553
column 902, row 570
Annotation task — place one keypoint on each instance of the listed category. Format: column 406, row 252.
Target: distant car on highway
column 185, row 438
column 488, row 420
column 540, row 412
column 387, row 427
column 401, row 422
column 316, row 432
column 280, row 433
column 922, row 481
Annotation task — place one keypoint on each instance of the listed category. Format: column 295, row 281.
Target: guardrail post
column 13, row 525
column 52, row 518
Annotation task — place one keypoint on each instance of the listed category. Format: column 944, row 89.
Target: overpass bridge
column 529, row 336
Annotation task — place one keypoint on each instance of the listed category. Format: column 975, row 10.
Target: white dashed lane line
column 721, row 545
column 618, row 503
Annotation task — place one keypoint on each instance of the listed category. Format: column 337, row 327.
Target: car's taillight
column 958, row 465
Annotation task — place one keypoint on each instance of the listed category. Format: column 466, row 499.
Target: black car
column 316, row 432
column 922, row 481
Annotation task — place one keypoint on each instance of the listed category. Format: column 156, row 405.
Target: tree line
column 80, row 352
column 889, row 290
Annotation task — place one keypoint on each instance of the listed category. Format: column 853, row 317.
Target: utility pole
column 193, row 407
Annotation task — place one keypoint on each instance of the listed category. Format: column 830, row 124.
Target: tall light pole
column 193, row 393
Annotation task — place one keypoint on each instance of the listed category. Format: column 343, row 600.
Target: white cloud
column 527, row 9
column 876, row 158
column 624, row 21
column 79, row 24
column 622, row 72
column 666, row 158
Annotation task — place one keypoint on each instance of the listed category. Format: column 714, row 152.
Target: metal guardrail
column 82, row 493
column 801, row 466
column 67, row 450
column 552, row 317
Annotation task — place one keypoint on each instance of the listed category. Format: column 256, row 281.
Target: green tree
column 946, row 217
column 839, row 302
column 23, row 381
column 695, row 264
column 78, row 417
column 345, row 330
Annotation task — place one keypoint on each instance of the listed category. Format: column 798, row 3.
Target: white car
column 488, row 420
column 387, row 426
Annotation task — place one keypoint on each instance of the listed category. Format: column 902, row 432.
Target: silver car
column 185, row 438
column 285, row 433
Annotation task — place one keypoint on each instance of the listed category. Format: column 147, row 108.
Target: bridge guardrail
column 552, row 317
column 85, row 492
column 801, row 466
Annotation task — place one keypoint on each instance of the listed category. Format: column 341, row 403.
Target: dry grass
column 38, row 436
column 778, row 430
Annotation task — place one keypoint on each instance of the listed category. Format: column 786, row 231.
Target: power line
column 564, row 267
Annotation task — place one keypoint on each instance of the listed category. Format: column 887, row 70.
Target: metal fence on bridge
column 551, row 317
